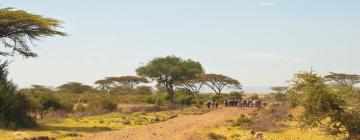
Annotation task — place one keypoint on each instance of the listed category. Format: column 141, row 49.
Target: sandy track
column 179, row 128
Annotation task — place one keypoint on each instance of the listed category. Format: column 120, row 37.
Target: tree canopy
column 169, row 70
column 324, row 106
column 193, row 85
column 279, row 89
column 218, row 82
column 127, row 81
column 75, row 87
column 104, row 85
column 18, row 29
column 343, row 79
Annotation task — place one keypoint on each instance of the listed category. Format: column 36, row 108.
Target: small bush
column 158, row 98
column 242, row 121
column 184, row 98
column 235, row 95
column 109, row 104
column 268, row 118
column 47, row 100
column 142, row 90
column 214, row 136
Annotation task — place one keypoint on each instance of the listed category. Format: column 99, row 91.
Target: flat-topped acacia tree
column 170, row 70
column 128, row 81
column 18, row 30
column 217, row 82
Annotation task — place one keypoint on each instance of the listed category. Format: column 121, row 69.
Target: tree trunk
column 170, row 90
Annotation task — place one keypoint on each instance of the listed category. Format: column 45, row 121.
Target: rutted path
column 179, row 128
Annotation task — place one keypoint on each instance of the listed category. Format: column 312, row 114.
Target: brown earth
column 182, row 127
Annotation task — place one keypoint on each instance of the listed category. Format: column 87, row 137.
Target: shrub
column 13, row 107
column 214, row 136
column 48, row 101
column 142, row 90
column 242, row 121
column 108, row 104
column 235, row 95
column 254, row 97
column 158, row 98
column 280, row 97
column 98, row 103
column 268, row 118
column 184, row 98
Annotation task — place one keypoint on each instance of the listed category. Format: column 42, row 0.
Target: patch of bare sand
column 182, row 127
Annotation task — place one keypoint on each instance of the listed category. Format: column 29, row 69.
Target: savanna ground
column 185, row 123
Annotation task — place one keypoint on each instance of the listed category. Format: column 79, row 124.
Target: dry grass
column 74, row 127
column 285, row 130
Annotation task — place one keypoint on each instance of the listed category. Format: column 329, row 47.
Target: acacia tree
column 75, row 87
column 128, row 81
column 18, row 28
column 343, row 79
column 193, row 85
column 279, row 89
column 218, row 82
column 170, row 70
column 324, row 106
column 104, row 85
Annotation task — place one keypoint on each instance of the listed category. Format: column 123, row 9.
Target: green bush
column 184, row 98
column 142, row 90
column 47, row 100
column 214, row 136
column 108, row 104
column 235, row 95
column 242, row 121
column 158, row 98
column 13, row 107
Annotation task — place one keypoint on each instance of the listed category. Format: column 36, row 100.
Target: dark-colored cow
column 210, row 104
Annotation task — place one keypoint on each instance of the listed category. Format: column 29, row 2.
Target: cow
column 210, row 104
column 216, row 104
column 264, row 104
column 258, row 103
column 276, row 104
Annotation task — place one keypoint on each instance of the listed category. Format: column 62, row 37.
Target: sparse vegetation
column 214, row 136
column 311, row 106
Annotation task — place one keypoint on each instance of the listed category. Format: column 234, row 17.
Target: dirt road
column 179, row 128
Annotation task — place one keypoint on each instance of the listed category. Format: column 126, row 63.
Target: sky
column 261, row 43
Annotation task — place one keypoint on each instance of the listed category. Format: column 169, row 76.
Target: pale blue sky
column 259, row 42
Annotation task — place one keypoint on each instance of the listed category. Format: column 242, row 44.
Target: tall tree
column 169, row 70
column 104, row 85
column 218, row 82
column 128, row 81
column 324, row 106
column 18, row 28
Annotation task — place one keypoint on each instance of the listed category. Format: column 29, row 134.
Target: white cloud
column 267, row 56
column 266, row 4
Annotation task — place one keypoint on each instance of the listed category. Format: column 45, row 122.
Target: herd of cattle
column 240, row 103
